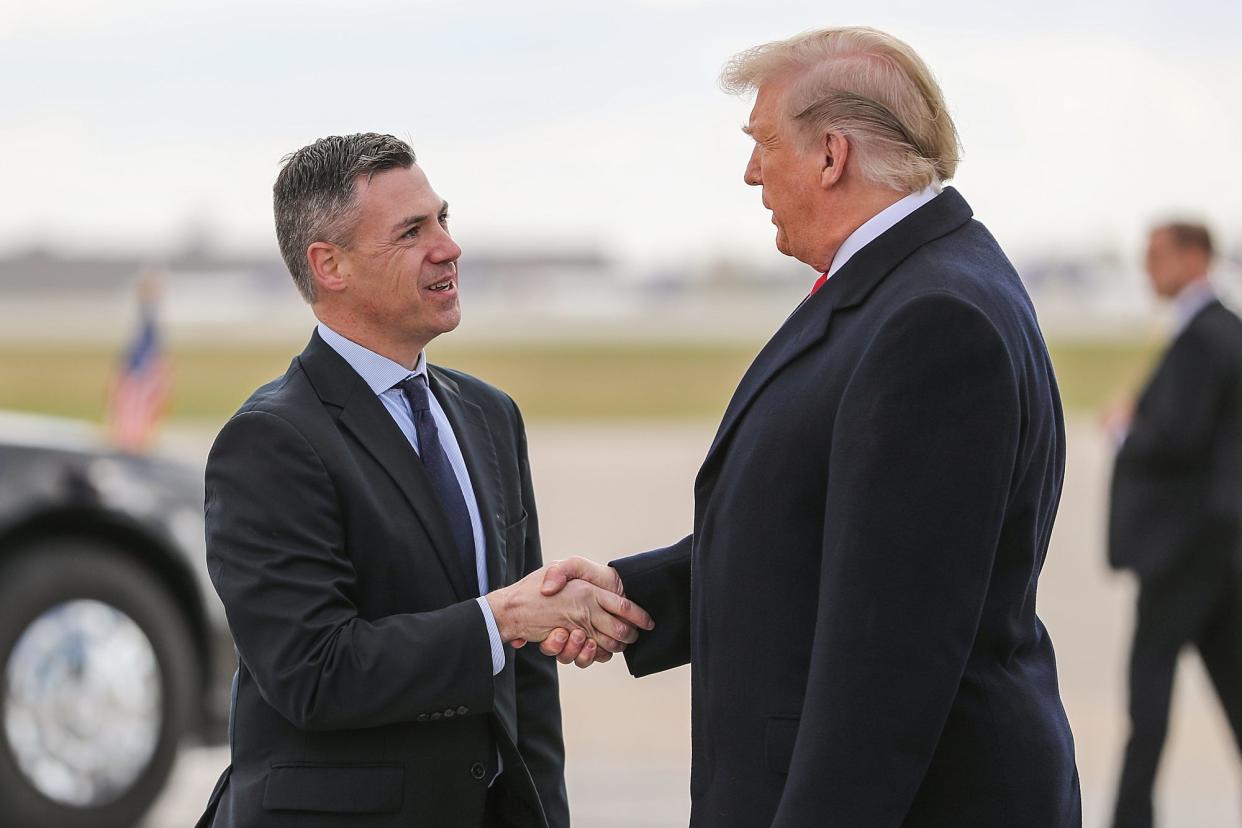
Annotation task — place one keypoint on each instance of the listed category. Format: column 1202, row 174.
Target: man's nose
column 752, row 175
column 446, row 250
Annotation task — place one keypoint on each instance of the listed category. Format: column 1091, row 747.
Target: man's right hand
column 572, row 647
column 568, row 605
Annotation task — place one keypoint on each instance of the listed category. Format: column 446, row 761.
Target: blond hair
column 867, row 85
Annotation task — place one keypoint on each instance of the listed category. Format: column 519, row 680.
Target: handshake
column 575, row 608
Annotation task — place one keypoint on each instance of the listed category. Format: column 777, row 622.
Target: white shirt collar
column 871, row 229
column 379, row 372
column 1191, row 299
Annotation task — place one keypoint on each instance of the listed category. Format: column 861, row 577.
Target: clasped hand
column 576, row 608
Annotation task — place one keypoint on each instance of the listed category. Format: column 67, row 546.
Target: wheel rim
column 83, row 703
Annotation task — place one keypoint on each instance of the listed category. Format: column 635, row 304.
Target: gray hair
column 867, row 85
column 314, row 197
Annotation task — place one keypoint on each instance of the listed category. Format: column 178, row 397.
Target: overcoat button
column 477, row 770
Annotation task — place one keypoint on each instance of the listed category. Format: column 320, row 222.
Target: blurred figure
column 1176, row 514
column 139, row 395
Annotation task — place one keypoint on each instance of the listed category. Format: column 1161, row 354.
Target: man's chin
column 450, row 319
column 782, row 242
column 446, row 321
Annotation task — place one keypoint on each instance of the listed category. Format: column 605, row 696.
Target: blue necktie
column 440, row 471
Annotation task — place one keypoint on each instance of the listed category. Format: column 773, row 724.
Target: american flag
column 140, row 391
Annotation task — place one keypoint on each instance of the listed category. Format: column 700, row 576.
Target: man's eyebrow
column 410, row 221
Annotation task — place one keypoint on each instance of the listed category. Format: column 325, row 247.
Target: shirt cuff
column 493, row 632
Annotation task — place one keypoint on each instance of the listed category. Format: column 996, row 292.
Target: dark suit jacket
column 1177, row 482
column 365, row 693
column 857, row 600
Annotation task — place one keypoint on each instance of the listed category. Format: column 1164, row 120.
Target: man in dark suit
column 1176, row 517
column 371, row 530
column 857, row 599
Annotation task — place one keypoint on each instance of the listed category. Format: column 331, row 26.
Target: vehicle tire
column 98, row 680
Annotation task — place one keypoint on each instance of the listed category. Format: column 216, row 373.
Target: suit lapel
column 478, row 449
column 848, row 287
column 364, row 416
column 1164, row 370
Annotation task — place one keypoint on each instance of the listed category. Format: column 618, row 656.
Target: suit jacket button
column 450, row 713
column 422, row 717
column 477, row 770
column 463, row 710
column 435, row 717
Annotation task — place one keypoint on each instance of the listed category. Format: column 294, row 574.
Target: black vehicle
column 113, row 644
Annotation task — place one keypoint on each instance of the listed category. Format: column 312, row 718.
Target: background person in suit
column 1176, row 513
column 857, row 599
column 371, row 530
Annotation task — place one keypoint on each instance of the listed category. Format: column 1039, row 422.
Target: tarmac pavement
column 606, row 490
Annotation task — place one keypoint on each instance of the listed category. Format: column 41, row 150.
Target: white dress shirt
column 1191, row 299
column 380, row 374
column 873, row 227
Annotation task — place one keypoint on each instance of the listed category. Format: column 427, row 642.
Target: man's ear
column 834, row 151
column 328, row 266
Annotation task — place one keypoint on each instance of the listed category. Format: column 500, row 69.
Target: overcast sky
column 586, row 122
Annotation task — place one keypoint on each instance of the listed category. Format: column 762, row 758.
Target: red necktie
column 819, row 283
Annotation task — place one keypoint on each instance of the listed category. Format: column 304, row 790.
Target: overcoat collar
column 850, row 286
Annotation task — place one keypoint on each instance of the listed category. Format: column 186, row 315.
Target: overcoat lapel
column 848, row 287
